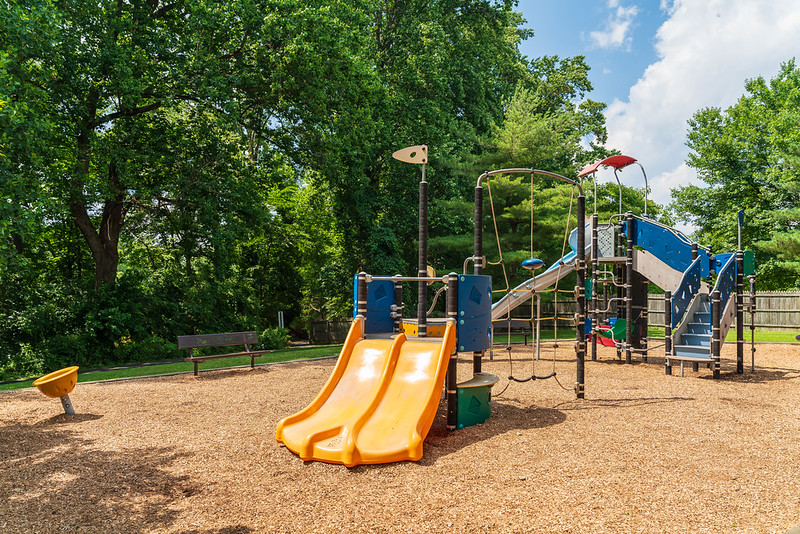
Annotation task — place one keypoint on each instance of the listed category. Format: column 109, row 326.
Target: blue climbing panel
column 749, row 261
column 380, row 297
column 474, row 313
column 666, row 244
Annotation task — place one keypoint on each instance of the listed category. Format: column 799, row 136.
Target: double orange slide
column 378, row 404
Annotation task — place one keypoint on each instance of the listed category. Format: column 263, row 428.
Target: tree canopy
column 748, row 157
column 193, row 167
column 176, row 167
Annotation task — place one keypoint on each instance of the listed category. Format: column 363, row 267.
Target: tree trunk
column 104, row 243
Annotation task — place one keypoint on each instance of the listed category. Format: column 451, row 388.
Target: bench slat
column 217, row 340
column 226, row 355
column 220, row 340
column 514, row 323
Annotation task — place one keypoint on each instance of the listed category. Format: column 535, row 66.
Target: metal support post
column 739, row 312
column 580, row 293
column 628, row 285
column 477, row 262
column 716, row 306
column 398, row 304
column 451, row 379
column 422, row 288
column 67, row 405
column 361, row 299
column 667, row 331
column 752, row 278
column 595, row 269
column 643, row 340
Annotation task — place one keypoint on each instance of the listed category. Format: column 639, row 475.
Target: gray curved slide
column 520, row 294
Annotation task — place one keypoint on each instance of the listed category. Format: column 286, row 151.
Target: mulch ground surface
column 644, row 452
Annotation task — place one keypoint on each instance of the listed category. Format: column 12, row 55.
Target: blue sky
column 617, row 42
column 656, row 63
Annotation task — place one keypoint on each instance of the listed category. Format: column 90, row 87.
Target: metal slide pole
column 477, row 257
column 580, row 294
column 667, row 331
column 451, row 379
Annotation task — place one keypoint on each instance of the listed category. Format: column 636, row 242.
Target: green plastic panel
column 473, row 406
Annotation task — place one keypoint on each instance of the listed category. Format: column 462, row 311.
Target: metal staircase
column 695, row 341
column 696, row 331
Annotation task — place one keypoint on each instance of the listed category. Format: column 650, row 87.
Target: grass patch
column 282, row 355
column 761, row 336
column 501, row 338
column 304, row 353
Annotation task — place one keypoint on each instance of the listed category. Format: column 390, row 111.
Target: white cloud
column 706, row 50
column 617, row 33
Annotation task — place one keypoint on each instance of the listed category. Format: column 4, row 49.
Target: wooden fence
column 775, row 310
column 328, row 332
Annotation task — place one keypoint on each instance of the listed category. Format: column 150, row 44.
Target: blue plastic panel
column 749, row 261
column 666, row 244
column 380, row 297
column 726, row 280
column 721, row 259
column 474, row 313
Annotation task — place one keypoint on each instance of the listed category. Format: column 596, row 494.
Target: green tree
column 87, row 72
column 747, row 157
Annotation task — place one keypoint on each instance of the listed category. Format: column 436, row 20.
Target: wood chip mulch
column 644, row 452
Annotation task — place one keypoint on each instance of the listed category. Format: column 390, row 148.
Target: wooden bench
column 220, row 340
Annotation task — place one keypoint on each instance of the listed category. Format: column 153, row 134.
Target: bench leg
column 252, row 362
column 195, row 368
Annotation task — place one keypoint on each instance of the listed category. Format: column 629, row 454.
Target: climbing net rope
column 535, row 321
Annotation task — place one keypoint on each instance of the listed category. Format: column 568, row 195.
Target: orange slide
column 378, row 404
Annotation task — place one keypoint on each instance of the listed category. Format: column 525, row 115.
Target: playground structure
column 383, row 394
column 703, row 292
column 58, row 385
column 381, row 399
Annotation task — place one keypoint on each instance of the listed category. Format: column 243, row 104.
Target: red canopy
column 619, row 161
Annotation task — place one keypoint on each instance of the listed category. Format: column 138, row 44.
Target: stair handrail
column 686, row 291
column 726, row 280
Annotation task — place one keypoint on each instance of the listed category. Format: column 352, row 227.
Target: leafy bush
column 274, row 338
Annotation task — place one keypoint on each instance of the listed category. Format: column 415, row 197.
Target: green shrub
column 274, row 338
